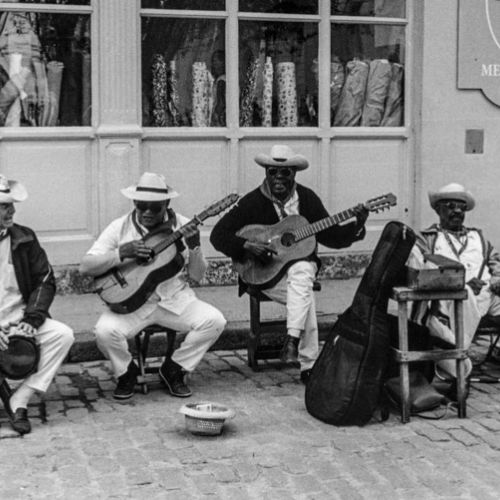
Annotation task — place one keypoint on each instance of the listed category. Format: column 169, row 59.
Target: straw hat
column 11, row 191
column 282, row 156
column 452, row 191
column 151, row 187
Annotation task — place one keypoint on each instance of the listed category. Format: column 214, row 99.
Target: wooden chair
column 142, row 345
column 255, row 350
column 489, row 327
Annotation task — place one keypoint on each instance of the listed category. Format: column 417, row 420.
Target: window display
column 280, row 6
column 44, row 69
column 366, row 79
column 184, row 4
column 183, row 72
column 377, row 8
column 277, row 83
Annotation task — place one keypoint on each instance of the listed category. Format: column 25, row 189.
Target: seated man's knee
column 66, row 335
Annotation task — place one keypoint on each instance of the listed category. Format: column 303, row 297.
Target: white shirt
column 11, row 300
column 173, row 294
column 291, row 207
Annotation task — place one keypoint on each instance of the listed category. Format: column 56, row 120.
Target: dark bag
column 346, row 380
column 20, row 359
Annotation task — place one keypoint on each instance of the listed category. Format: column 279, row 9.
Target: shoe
column 172, row 375
column 20, row 422
column 448, row 388
column 304, row 376
column 290, row 350
column 126, row 382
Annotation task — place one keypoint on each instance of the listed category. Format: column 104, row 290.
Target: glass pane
column 278, row 85
column 44, row 70
column 279, row 6
column 184, row 4
column 377, row 8
column 183, row 73
column 367, row 75
column 60, row 2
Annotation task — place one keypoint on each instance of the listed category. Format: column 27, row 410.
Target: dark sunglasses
column 152, row 206
column 452, row 205
column 283, row 171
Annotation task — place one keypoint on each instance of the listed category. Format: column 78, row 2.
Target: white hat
column 151, row 187
column 282, row 156
column 452, row 191
column 11, row 191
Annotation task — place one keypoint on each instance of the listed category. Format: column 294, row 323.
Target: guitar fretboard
column 320, row 225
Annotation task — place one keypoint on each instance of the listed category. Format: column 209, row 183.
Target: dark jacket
column 34, row 274
column 255, row 208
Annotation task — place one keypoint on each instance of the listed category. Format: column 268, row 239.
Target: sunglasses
column 283, row 171
column 452, row 205
column 153, row 206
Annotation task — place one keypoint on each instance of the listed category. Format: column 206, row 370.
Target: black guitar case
column 346, row 380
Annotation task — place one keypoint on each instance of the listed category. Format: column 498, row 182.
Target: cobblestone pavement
column 86, row 445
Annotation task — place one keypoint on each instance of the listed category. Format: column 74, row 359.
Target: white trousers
column 475, row 307
column 203, row 322
column 55, row 339
column 295, row 290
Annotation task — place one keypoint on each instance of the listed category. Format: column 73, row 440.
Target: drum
column 20, row 359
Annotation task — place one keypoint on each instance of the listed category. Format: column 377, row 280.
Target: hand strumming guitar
column 261, row 250
column 134, row 250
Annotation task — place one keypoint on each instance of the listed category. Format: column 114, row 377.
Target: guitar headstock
column 381, row 203
column 219, row 206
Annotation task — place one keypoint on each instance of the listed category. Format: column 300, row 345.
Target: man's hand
column 495, row 287
column 4, row 338
column 134, row 250
column 191, row 235
column 361, row 213
column 476, row 284
column 262, row 251
column 24, row 329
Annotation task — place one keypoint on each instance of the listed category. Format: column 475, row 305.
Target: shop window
column 278, row 81
column 184, row 4
column 183, row 72
column 377, row 8
column 367, row 75
column 45, row 69
column 60, row 2
column 280, row 6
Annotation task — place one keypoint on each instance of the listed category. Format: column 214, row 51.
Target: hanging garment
column 54, row 78
column 173, row 93
column 86, row 89
column 287, row 94
column 267, row 93
column 377, row 89
column 337, row 79
column 159, row 83
column 248, row 94
column 202, row 95
column 393, row 113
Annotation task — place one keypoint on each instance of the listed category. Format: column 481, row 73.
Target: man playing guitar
column 172, row 304
column 278, row 197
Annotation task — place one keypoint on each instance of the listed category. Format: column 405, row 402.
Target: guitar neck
column 320, row 225
column 176, row 235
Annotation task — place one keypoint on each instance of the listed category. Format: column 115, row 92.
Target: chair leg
column 141, row 343
column 254, row 334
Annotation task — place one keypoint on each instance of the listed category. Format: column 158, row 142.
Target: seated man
column 276, row 198
column 451, row 239
column 27, row 288
column 173, row 304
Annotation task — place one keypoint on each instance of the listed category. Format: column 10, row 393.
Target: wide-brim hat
column 151, row 187
column 11, row 191
column 452, row 191
column 282, row 156
column 21, row 357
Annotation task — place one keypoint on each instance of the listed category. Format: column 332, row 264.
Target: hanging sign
column 479, row 47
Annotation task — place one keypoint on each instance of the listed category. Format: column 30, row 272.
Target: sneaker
column 126, row 382
column 172, row 375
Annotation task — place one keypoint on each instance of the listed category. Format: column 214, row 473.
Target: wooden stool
column 402, row 295
column 142, row 345
column 255, row 351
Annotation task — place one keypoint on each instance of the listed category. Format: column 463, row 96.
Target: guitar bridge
column 119, row 278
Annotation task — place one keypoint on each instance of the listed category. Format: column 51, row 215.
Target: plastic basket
column 203, row 426
column 206, row 419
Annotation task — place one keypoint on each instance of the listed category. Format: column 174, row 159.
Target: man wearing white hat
column 173, row 304
column 450, row 238
column 276, row 198
column 27, row 288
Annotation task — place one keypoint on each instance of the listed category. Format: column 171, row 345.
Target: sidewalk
column 82, row 311
column 85, row 445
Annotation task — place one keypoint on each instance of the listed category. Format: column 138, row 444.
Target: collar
column 436, row 228
column 170, row 220
column 4, row 233
column 266, row 191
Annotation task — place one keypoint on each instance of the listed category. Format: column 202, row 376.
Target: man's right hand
column 262, row 251
column 134, row 250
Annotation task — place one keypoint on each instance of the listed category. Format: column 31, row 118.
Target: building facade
column 95, row 92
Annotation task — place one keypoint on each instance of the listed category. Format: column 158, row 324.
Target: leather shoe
column 290, row 350
column 126, row 382
column 304, row 376
column 20, row 422
column 172, row 375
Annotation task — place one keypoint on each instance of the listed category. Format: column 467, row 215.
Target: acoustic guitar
column 126, row 287
column 291, row 240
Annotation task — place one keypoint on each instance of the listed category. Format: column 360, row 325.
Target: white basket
column 205, row 419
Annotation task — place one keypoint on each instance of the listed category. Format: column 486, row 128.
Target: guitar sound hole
column 287, row 240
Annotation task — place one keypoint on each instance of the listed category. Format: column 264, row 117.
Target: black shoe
column 304, row 376
column 126, row 382
column 20, row 422
column 448, row 388
column 290, row 350
column 172, row 375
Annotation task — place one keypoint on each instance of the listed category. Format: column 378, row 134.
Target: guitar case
column 346, row 380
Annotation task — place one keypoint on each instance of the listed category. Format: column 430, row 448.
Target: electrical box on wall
column 474, row 141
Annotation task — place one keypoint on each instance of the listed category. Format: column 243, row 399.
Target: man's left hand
column 24, row 329
column 476, row 284
column 191, row 235
column 361, row 213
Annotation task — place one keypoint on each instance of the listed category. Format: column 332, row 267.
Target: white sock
column 294, row 332
column 21, row 397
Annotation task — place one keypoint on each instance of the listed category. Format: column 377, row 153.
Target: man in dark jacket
column 27, row 288
column 277, row 197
